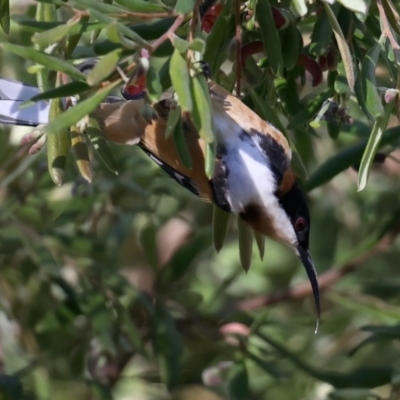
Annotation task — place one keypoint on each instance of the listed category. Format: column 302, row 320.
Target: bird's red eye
column 300, row 224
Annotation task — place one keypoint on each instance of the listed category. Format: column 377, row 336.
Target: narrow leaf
column 321, row 36
column 81, row 152
column 148, row 239
column 343, row 46
column 93, row 131
column 77, row 112
column 219, row 39
column 373, row 146
column 48, row 61
column 101, row 7
column 211, row 150
column 260, row 240
column 245, row 244
column 270, row 35
column 124, row 30
column 174, row 116
column 238, row 386
column 360, row 6
column 220, row 224
column 5, row 16
column 181, row 145
column 179, row 73
column 167, row 343
column 185, row 6
column 311, row 109
column 58, row 145
column 299, row 7
column 153, row 84
column 103, row 68
column 372, row 98
column 141, row 6
column 346, row 158
column 53, row 35
column 202, row 109
column 70, row 89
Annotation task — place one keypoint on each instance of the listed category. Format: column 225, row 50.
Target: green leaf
column 373, row 146
column 202, row 110
column 167, row 343
column 238, row 385
column 103, row 68
column 211, row 154
column 180, row 44
column 346, row 158
column 185, row 6
column 360, row 6
column 80, row 110
column 343, row 46
column 292, row 44
column 184, row 257
column 373, row 100
column 360, row 95
column 321, row 36
column 93, row 131
column 141, row 6
column 174, row 116
column 181, row 145
column 153, row 84
column 124, row 30
column 10, row 387
column 54, row 35
column 48, row 61
column 220, row 226
column 260, row 240
column 245, row 244
column 81, row 152
column 148, row 239
column 101, row 7
column 368, row 377
column 5, row 16
column 219, row 39
column 115, row 36
column 58, row 145
column 299, row 7
column 311, row 109
column 70, row 89
column 78, row 27
column 179, row 73
column 270, row 35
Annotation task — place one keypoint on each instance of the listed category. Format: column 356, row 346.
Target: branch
column 326, row 280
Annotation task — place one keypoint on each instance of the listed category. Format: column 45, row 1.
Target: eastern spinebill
column 252, row 177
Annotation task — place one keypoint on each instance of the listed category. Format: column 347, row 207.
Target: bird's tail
column 12, row 95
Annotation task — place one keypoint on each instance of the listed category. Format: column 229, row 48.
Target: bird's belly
column 248, row 176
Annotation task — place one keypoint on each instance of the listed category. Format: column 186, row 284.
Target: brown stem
column 169, row 33
column 325, row 280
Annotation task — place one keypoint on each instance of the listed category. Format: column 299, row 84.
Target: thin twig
column 169, row 33
column 238, row 40
column 326, row 280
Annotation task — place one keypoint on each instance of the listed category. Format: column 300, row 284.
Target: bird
column 252, row 177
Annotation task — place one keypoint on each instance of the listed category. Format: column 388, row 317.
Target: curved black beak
column 312, row 276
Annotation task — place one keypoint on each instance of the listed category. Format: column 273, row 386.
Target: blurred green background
column 113, row 290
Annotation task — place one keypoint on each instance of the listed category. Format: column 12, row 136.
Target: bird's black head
column 295, row 207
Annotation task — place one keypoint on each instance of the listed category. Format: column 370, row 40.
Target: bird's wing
column 235, row 111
